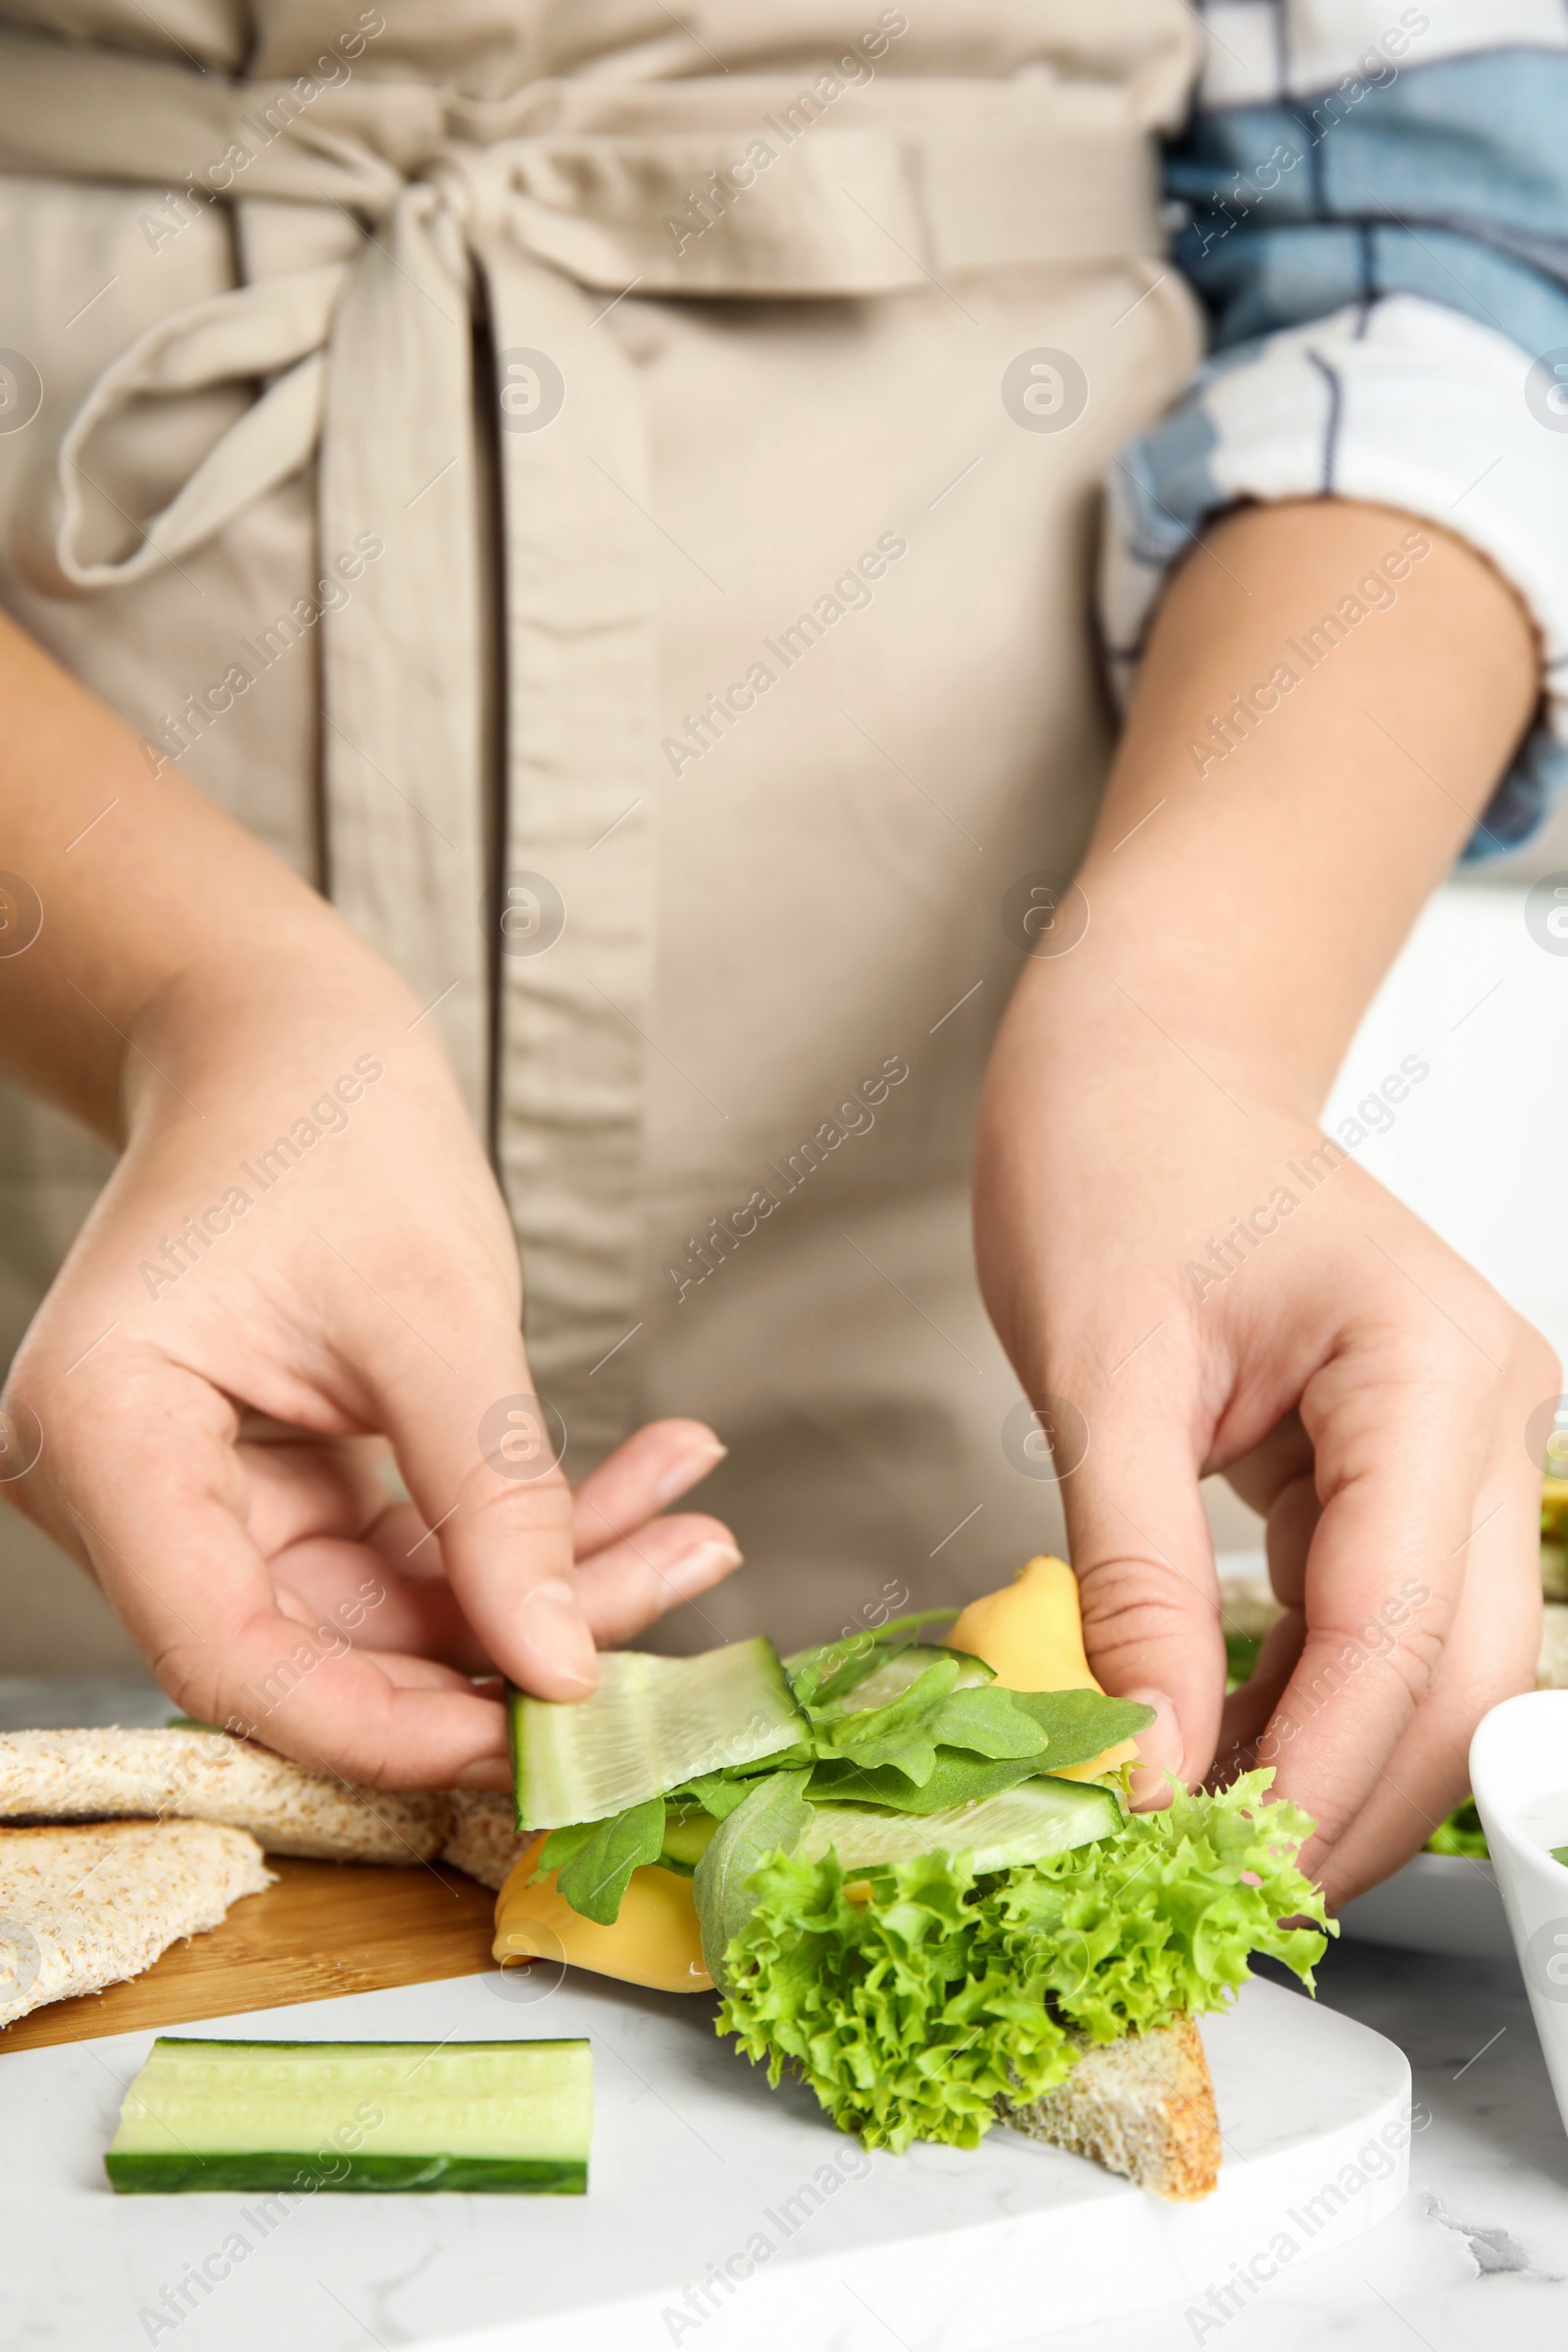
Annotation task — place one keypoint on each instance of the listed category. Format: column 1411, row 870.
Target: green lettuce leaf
column 769, row 1822
column 911, row 2014
column 595, row 1859
column 1460, row 1834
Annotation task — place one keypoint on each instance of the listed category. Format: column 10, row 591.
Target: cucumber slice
column 652, row 1724
column 1025, row 1824
column 687, row 1838
column 357, row 2115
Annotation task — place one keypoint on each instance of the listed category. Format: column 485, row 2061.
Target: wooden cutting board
column 325, row 1928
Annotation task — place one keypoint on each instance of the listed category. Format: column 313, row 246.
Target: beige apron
column 600, row 491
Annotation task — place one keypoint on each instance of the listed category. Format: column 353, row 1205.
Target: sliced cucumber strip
column 687, row 1838
column 1025, row 1824
column 652, row 1724
column 357, row 2115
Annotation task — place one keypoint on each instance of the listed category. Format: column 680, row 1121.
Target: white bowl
column 1519, row 1773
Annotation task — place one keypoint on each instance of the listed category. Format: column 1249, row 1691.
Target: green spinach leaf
column 769, row 1822
column 595, row 1859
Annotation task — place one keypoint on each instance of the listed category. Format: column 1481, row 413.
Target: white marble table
column 715, row 2206
column 1477, row 2258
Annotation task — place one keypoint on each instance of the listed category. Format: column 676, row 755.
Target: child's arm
column 1362, row 1387
column 190, row 998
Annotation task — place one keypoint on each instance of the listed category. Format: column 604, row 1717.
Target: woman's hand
column 1191, row 1268
column 205, row 1408
column 301, row 1256
column 1187, row 1276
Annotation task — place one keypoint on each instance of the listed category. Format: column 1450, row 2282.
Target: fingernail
column 695, row 1464
column 1160, row 1750
column 703, row 1565
column 553, row 1628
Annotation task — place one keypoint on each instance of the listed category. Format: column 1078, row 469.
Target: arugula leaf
column 768, row 1823
column 958, row 1778
column 595, row 1859
column 718, row 1792
column 825, row 1673
column 932, row 1712
column 1080, row 1724
column 894, row 1676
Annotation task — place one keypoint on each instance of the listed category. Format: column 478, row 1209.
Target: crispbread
column 82, row 1908
column 1143, row 2106
column 205, row 1775
column 483, row 1837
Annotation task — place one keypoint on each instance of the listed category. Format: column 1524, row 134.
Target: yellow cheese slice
column 1032, row 1634
column 655, row 1940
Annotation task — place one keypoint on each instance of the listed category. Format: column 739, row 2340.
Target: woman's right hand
column 248, row 1329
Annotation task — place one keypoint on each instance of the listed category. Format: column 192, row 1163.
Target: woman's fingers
column 621, row 1589
column 302, row 1486
column 647, row 1472
column 1411, row 1428
column 338, row 1545
column 1246, row 1711
column 1489, row 1654
column 380, row 1609
column 1151, row 1617
column 628, row 1585
column 144, row 1473
column 449, row 1382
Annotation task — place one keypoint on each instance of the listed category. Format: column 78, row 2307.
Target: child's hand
column 202, row 1446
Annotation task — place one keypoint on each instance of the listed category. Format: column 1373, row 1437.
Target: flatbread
column 205, row 1775
column 483, row 1837
column 82, row 1908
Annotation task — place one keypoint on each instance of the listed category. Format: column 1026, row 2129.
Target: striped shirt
column 1373, row 209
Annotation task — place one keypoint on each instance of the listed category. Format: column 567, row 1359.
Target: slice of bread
column 205, row 1775
column 82, row 1908
column 483, row 1837
column 1143, row 2106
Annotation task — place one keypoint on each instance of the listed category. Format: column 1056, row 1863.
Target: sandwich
column 909, row 1871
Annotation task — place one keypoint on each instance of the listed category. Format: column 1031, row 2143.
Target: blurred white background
column 1479, row 1150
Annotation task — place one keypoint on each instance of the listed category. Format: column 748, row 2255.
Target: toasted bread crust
column 1143, row 2106
column 483, row 1838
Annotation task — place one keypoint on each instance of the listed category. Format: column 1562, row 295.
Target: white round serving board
column 693, row 2159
